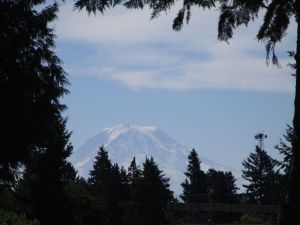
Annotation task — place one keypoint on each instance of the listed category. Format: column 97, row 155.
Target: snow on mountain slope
column 123, row 142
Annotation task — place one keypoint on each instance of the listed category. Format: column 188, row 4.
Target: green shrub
column 253, row 219
column 12, row 218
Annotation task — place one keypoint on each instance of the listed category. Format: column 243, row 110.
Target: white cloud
column 139, row 53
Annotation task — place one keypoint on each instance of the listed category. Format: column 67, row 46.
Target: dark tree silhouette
column 152, row 194
column 84, row 207
column 221, row 186
column 33, row 132
column 277, row 16
column 285, row 149
column 31, row 81
column 262, row 177
column 47, row 175
column 108, row 185
column 195, row 187
column 134, row 172
column 131, row 207
column 222, row 189
column 101, row 168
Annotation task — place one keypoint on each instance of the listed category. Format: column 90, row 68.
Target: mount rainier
column 123, row 142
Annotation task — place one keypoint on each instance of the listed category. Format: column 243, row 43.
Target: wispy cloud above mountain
column 126, row 47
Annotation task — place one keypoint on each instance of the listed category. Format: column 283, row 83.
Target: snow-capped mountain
column 123, row 142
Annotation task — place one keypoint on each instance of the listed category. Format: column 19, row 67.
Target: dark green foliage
column 222, row 189
column 101, row 168
column 240, row 12
column 132, row 215
column 124, row 177
column 8, row 199
column 31, row 81
column 35, row 140
column 96, row 5
column 285, row 149
column 84, row 207
column 132, row 206
column 262, row 177
column 139, row 197
column 221, row 186
column 48, row 173
column 134, row 4
column 252, row 219
column 12, row 218
column 151, row 195
column 195, row 187
column 134, row 172
column 108, row 185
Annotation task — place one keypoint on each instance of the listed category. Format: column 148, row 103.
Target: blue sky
column 125, row 68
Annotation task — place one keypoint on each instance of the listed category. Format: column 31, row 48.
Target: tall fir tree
column 98, row 186
column 101, row 168
column 222, row 189
column 81, row 203
column 285, row 149
column 134, row 172
column 152, row 194
column 131, row 207
column 32, row 81
column 262, row 177
column 108, row 185
column 221, row 186
column 47, row 175
column 195, row 187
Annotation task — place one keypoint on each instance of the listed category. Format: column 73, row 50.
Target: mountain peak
column 115, row 132
column 122, row 126
column 125, row 141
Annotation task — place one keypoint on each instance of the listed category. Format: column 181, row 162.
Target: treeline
column 266, row 181
column 50, row 191
column 110, row 196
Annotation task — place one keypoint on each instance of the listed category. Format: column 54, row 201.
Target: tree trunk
column 290, row 212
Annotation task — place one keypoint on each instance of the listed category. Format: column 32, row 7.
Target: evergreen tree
column 47, row 175
column 221, row 186
column 108, row 185
column 99, row 187
column 118, row 194
column 132, row 215
column 101, row 168
column 32, row 81
column 131, row 206
column 152, row 194
column 195, row 185
column 134, row 172
column 222, row 189
column 285, row 149
column 124, row 177
column 262, row 177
